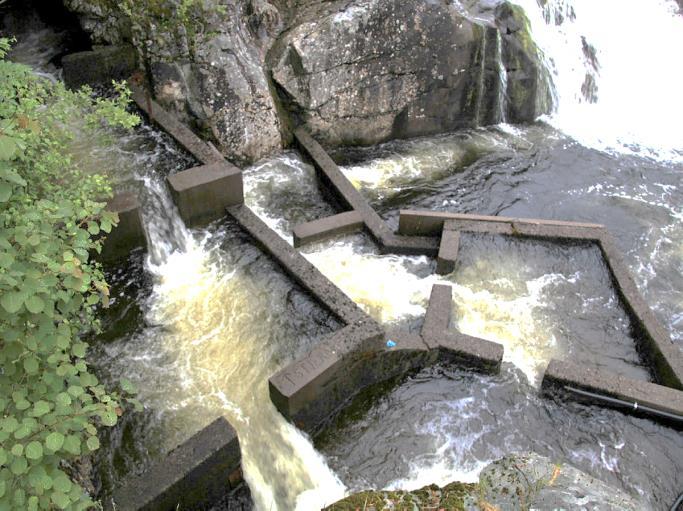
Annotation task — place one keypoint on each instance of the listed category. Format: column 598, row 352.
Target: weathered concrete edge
column 129, row 234
column 448, row 252
column 560, row 374
column 430, row 223
column 196, row 473
column 328, row 172
column 295, row 265
column 323, row 228
column 204, row 152
column 202, row 193
column 464, row 350
column 666, row 358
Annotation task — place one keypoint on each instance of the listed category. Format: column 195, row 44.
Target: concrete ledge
column 410, row 245
column 99, row 66
column 330, row 175
column 299, row 268
column 448, row 252
column 471, row 352
column 343, row 223
column 560, row 374
column 202, row 193
column 438, row 316
column 192, row 476
column 312, row 398
column 655, row 344
column 205, row 153
column 455, row 347
column 300, row 391
column 129, row 234
column 430, row 223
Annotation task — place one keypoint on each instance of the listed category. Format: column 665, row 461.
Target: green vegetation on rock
column 451, row 497
column 52, row 220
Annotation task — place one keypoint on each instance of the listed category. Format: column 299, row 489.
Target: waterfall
column 614, row 73
column 214, row 355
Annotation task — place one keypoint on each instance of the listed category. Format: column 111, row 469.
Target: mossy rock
column 451, row 497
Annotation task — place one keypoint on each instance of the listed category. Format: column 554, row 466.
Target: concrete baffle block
column 202, row 193
column 99, row 66
column 343, row 223
column 448, row 252
column 194, row 475
column 129, row 234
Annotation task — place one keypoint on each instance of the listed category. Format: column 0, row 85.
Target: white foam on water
column 638, row 108
column 383, row 285
column 221, row 362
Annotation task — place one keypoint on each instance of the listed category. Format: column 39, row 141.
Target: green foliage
column 182, row 19
column 51, row 215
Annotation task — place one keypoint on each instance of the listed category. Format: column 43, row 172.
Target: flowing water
column 203, row 319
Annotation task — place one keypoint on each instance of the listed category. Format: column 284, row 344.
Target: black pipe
column 678, row 502
column 627, row 404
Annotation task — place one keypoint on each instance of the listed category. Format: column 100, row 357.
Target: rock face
column 366, row 71
column 242, row 72
column 517, row 482
column 204, row 61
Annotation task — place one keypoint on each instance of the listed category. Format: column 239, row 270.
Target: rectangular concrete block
column 448, row 252
column 193, row 476
column 202, row 193
column 129, row 234
column 560, row 374
column 343, row 223
column 309, row 390
column 99, row 66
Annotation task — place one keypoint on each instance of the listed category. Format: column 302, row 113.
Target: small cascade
column 500, row 110
column 636, row 111
column 166, row 232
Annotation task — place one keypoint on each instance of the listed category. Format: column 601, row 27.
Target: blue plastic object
column 391, row 344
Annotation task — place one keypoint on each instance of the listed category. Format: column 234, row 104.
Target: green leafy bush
column 52, row 219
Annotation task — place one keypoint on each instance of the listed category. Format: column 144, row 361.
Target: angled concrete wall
column 194, row 475
column 129, row 234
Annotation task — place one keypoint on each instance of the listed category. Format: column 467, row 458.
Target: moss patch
column 449, row 498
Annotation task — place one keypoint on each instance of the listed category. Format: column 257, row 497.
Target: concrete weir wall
column 312, row 389
column 194, row 475
column 129, row 234
column 202, row 193
column 654, row 344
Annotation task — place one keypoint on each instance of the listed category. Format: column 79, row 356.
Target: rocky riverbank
column 516, row 482
column 352, row 71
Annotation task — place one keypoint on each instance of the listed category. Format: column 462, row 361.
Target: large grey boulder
column 364, row 71
column 204, row 62
column 530, row 481
column 242, row 72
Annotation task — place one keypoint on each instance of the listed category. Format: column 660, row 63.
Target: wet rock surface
column 354, row 72
column 370, row 70
column 515, row 482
